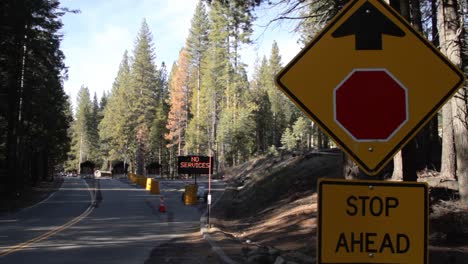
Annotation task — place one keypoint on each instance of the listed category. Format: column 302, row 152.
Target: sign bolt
column 371, row 187
column 371, row 255
column 370, row 149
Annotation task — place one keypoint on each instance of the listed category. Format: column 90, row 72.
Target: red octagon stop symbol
column 370, row 104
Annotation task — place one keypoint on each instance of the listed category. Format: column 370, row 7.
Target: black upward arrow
column 368, row 25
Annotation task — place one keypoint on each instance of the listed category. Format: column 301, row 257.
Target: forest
column 205, row 105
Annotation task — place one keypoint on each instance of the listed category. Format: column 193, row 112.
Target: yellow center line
column 50, row 233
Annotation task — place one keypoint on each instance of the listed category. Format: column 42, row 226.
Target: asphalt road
column 117, row 223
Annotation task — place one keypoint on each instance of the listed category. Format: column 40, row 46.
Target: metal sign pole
column 209, row 192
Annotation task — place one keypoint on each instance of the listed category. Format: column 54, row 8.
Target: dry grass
column 286, row 218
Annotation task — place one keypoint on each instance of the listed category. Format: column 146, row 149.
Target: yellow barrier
column 148, row 184
column 154, row 186
column 138, row 180
column 132, row 177
column 141, row 181
column 190, row 197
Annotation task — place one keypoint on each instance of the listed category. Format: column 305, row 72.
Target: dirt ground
column 287, row 218
column 191, row 249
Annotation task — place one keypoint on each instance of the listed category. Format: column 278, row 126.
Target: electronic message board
column 194, row 164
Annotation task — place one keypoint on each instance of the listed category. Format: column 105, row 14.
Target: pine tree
column 262, row 113
column 301, row 131
column 215, row 76
column 144, row 83
column 157, row 140
column 197, row 44
column 288, row 140
column 114, row 130
column 33, row 107
column 144, row 94
column 179, row 103
column 236, row 127
column 284, row 112
column 102, row 106
column 93, row 132
column 240, row 18
column 81, row 129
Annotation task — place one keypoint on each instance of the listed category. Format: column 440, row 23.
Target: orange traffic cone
column 162, row 207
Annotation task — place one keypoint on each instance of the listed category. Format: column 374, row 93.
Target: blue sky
column 95, row 39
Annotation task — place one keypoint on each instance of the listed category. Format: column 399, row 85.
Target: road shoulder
column 29, row 197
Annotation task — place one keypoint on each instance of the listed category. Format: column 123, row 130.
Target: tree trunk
column 80, row 160
column 408, row 153
column 426, row 141
column 448, row 159
column 435, row 32
column 404, row 9
column 397, row 167
column 350, row 169
column 416, row 15
column 460, row 129
column 197, row 137
column 319, row 139
column 449, row 28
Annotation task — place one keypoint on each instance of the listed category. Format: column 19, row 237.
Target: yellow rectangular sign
column 372, row 222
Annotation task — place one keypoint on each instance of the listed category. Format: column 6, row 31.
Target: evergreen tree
column 262, row 113
column 144, row 82
column 288, row 140
column 114, row 130
column 179, row 103
column 81, row 147
column 302, row 132
column 33, row 107
column 163, row 86
column 215, row 76
column 144, row 95
column 197, row 44
column 157, row 140
column 240, row 18
column 236, row 127
column 283, row 111
column 93, row 123
column 102, row 106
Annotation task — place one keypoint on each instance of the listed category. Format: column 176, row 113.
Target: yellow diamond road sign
column 372, row 222
column 370, row 81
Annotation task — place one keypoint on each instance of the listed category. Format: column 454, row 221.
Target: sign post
column 209, row 193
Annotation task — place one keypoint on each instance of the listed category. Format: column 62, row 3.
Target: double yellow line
column 52, row 232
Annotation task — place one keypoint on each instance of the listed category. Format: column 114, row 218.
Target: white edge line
column 218, row 250
column 43, row 201
column 46, row 235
